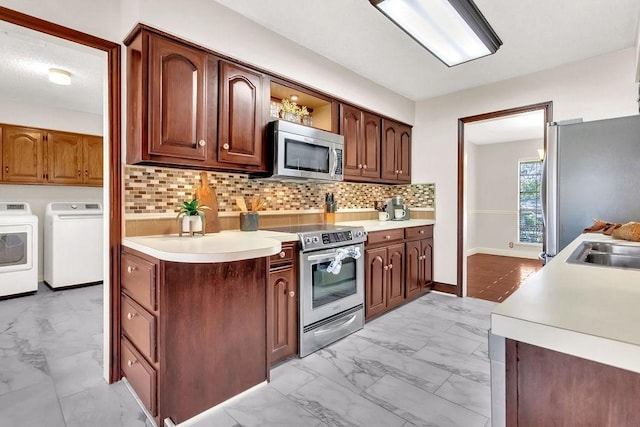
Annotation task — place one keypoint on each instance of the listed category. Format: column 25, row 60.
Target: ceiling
column 26, row 58
column 516, row 127
column 537, row 35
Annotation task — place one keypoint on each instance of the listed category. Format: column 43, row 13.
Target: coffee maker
column 396, row 209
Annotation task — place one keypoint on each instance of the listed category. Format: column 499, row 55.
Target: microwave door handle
column 335, row 162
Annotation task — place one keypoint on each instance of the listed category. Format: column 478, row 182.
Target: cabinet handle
column 131, row 269
column 79, row 172
column 421, row 231
column 282, row 254
column 395, row 171
column 130, row 363
column 364, row 166
column 130, row 316
column 359, row 166
column 386, row 267
column 390, row 266
column 202, row 143
column 225, row 146
column 400, row 172
column 292, row 294
column 387, row 237
column 86, row 173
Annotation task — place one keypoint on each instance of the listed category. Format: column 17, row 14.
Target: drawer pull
column 131, row 269
column 202, row 143
column 282, row 254
column 130, row 316
column 421, row 231
column 387, row 237
column 130, row 363
column 292, row 294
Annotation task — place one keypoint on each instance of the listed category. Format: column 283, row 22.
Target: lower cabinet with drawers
column 398, row 267
column 192, row 334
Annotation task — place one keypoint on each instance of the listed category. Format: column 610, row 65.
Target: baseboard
column 528, row 254
column 444, row 288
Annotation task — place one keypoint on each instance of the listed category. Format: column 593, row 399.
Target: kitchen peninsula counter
column 582, row 310
column 226, row 246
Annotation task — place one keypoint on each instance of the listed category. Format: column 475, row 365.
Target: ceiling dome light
column 59, row 77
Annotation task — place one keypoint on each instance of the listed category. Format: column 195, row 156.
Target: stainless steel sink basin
column 607, row 255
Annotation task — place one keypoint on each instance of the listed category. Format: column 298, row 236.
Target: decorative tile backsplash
column 150, row 190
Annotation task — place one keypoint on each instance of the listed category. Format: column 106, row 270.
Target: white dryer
column 73, row 244
column 18, row 249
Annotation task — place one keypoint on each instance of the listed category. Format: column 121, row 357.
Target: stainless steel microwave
column 301, row 152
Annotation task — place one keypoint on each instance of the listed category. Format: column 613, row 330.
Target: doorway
column 483, row 218
column 112, row 171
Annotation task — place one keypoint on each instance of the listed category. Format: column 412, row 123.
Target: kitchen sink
column 606, row 255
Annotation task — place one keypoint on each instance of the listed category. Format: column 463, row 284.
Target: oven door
column 15, row 247
column 325, row 294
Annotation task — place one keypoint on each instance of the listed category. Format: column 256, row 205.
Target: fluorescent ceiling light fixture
column 59, row 77
column 453, row 30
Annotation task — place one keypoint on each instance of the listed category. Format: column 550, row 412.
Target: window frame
column 520, row 162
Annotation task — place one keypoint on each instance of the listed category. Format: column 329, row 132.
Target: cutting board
column 206, row 196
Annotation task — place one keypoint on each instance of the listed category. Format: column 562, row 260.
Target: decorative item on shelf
column 192, row 218
column 249, row 219
column 292, row 112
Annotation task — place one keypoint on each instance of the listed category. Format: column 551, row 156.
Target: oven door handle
column 327, row 257
column 331, row 327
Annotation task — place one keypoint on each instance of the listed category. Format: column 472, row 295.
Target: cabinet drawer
column 141, row 376
column 419, row 232
column 139, row 326
column 139, row 280
column 385, row 236
column 285, row 256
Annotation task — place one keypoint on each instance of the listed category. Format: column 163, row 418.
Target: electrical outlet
column 511, row 245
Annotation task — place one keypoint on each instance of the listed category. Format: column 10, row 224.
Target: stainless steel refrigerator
column 591, row 170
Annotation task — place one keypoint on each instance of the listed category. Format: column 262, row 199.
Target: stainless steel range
column 331, row 283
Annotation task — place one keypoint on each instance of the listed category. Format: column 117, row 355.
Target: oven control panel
column 332, row 239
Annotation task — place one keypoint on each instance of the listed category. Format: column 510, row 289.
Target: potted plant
column 192, row 215
column 293, row 112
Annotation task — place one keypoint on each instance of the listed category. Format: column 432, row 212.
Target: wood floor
column 494, row 278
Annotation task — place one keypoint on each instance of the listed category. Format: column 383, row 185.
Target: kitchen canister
column 248, row 221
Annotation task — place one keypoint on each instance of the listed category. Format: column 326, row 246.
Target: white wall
column 597, row 88
column 493, row 198
column 34, row 115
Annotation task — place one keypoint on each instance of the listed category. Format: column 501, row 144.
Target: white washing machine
column 18, row 249
column 73, row 244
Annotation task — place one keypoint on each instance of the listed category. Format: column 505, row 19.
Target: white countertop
column 226, row 246
column 375, row 225
column 236, row 245
column 591, row 312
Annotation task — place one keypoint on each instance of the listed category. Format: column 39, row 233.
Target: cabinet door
column 22, row 155
column 403, row 156
column 92, row 156
column 370, row 148
column 414, row 269
column 64, row 158
column 395, row 272
column 282, row 306
column 389, row 171
column 351, row 130
column 242, row 118
column 375, row 282
column 177, row 121
column 427, row 263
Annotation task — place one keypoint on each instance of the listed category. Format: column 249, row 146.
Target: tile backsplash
column 156, row 190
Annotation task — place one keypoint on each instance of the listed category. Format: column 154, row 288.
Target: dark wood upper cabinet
column 242, row 116
column 177, row 119
column 361, row 131
column 396, row 152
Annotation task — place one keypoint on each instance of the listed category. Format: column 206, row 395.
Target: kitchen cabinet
column 550, row 388
column 243, row 117
column 419, row 248
column 361, row 131
column 396, row 152
column 384, row 272
column 282, row 304
column 39, row 156
column 192, row 334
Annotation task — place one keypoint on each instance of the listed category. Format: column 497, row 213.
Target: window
column 529, row 201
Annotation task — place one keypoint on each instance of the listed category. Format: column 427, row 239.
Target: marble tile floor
column 423, row 364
